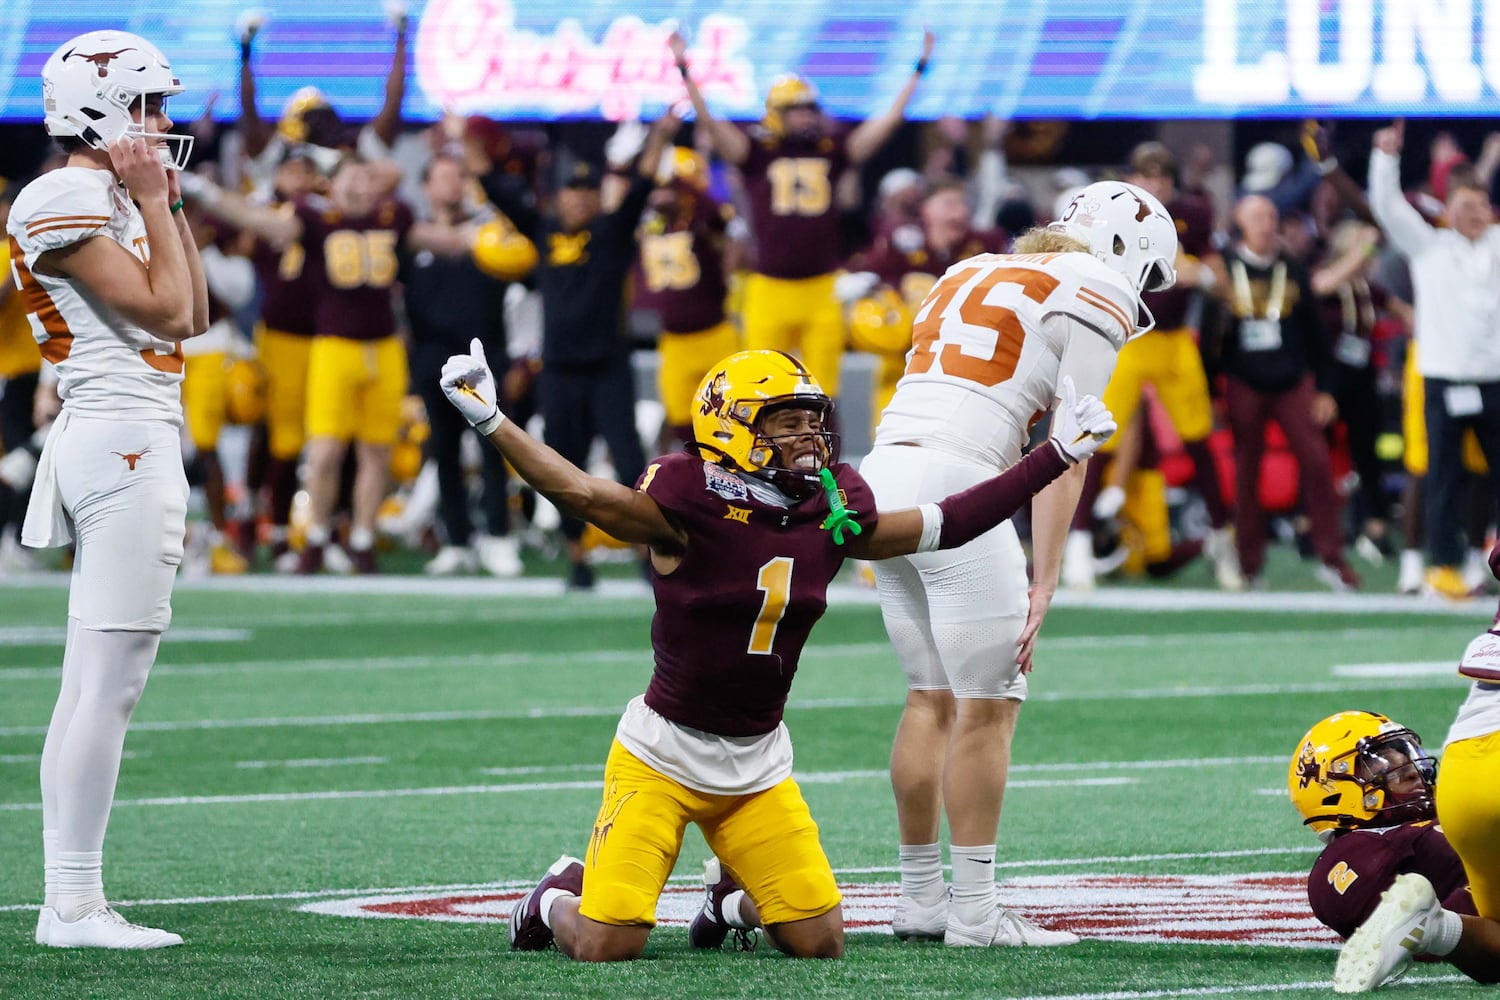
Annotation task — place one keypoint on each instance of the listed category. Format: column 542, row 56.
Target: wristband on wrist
column 682, row 67
column 921, row 68
column 177, row 205
column 1328, row 166
column 488, row 424
column 244, row 51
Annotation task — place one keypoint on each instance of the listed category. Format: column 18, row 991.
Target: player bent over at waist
column 746, row 531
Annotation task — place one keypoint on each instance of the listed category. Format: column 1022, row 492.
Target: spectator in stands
column 1278, row 367
column 791, row 165
column 1350, row 304
column 587, row 386
column 449, row 302
column 1455, row 273
column 1269, row 172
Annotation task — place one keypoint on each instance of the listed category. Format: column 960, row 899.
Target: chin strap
column 839, row 517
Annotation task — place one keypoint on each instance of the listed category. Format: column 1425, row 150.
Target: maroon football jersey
column 906, row 250
column 356, row 262
column 1352, row 872
column 1194, row 216
column 290, row 299
column 732, row 619
column 789, row 181
column 679, row 272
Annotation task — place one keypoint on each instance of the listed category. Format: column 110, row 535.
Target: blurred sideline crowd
column 1279, row 398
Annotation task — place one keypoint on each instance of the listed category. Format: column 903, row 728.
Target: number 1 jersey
column 990, row 344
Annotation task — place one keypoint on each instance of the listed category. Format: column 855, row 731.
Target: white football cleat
column 104, row 928
column 1078, row 561
column 1390, row 937
column 1108, row 503
column 915, row 922
column 1004, row 929
column 1413, row 572
column 44, row 919
column 452, row 559
column 499, row 555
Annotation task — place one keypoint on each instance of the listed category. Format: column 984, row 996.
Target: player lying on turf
column 745, row 531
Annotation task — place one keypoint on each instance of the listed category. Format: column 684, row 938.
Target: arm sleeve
column 628, row 215
column 1407, row 230
column 1315, row 338
column 969, row 514
column 1087, row 355
column 510, row 196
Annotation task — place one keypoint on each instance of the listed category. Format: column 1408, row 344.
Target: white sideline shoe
column 1078, row 561
column 450, row 560
column 44, row 919
column 499, row 555
column 915, row 922
column 103, row 928
column 1004, row 929
column 1386, row 942
column 1219, row 547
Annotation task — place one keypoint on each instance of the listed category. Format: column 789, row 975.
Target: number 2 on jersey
column 975, row 312
column 776, row 580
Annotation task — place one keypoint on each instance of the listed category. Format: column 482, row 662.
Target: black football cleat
column 709, row 928
column 527, row 932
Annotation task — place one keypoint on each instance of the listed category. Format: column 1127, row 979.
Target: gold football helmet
column 787, row 91
column 293, row 123
column 1359, row 769
column 500, row 250
column 731, row 402
column 245, row 392
column 686, row 166
column 881, row 323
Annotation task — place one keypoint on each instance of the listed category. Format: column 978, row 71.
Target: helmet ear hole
column 1119, row 246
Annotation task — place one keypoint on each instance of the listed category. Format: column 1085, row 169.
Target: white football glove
column 1080, row 425
column 395, row 12
column 470, row 386
column 626, row 144
column 855, row 285
column 248, row 25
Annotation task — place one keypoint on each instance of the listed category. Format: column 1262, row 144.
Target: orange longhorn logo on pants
column 133, row 457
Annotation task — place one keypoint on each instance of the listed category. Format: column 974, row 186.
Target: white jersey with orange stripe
column 991, row 344
column 106, row 365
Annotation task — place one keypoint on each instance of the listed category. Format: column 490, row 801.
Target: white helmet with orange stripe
column 1127, row 228
column 92, row 84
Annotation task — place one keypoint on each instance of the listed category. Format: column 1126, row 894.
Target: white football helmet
column 91, row 83
column 1129, row 230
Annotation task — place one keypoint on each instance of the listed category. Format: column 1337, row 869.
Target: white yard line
column 1083, row 766
column 1424, row 668
column 687, row 878
column 812, row 778
column 1114, row 598
column 50, row 635
column 260, row 765
column 596, row 711
column 1217, row 991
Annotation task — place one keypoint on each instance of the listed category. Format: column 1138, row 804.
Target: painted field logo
column 1266, row 909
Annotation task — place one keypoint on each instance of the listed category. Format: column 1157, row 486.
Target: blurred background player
column 209, row 366
column 20, row 371
column 680, row 276
column 996, row 342
column 1167, row 359
column 357, row 369
column 587, row 386
column 791, row 164
column 889, row 281
column 450, row 300
column 112, row 285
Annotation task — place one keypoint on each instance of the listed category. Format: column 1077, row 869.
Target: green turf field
column 308, row 752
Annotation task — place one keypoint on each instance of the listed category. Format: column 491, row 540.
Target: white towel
column 47, row 525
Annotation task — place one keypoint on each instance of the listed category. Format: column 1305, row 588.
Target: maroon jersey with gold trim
column 731, row 621
column 289, row 302
column 356, row 263
column 789, row 181
column 1194, row 216
column 906, row 250
column 1352, row 872
column 679, row 272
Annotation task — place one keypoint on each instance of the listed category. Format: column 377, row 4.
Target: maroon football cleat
column 310, row 562
column 527, row 932
column 709, row 928
column 364, row 561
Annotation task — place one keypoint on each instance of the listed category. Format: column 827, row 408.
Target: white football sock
column 730, row 910
column 548, row 898
column 973, row 882
column 317, row 534
column 1445, row 931
column 922, row 873
column 62, row 714
column 49, row 867
column 80, row 883
column 112, row 669
column 361, row 539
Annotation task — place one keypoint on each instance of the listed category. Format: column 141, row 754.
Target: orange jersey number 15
column 975, row 312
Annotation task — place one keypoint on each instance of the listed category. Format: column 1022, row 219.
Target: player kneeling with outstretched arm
column 746, row 530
